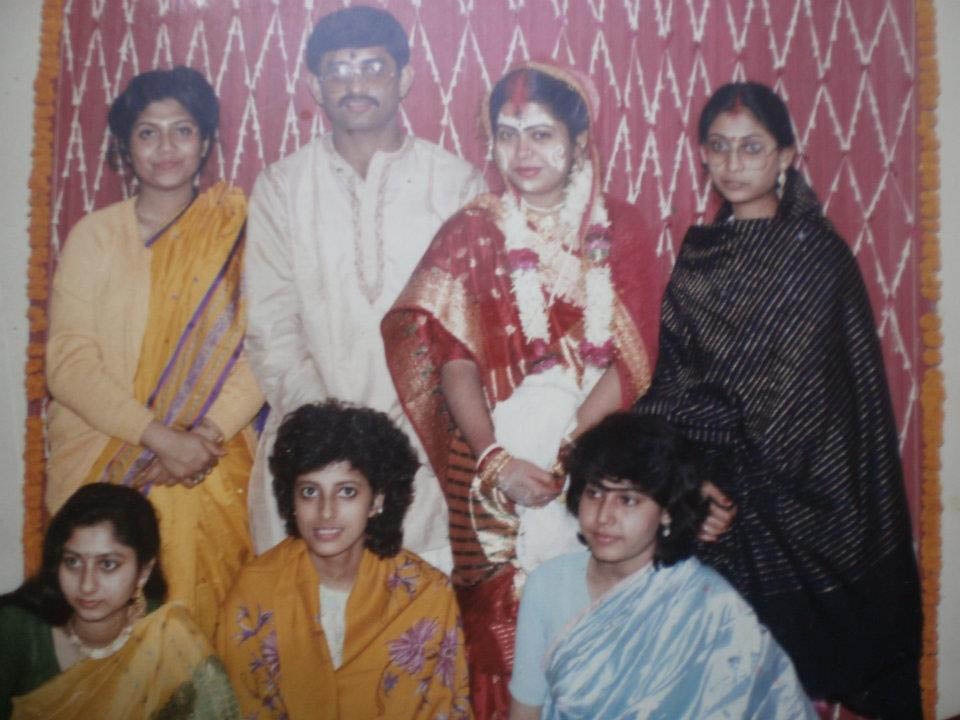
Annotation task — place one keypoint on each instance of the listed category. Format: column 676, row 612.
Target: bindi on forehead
column 528, row 116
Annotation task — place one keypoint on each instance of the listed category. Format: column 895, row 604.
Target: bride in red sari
column 531, row 316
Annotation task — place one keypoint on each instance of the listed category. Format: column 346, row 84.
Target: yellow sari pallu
column 403, row 654
column 166, row 669
column 194, row 337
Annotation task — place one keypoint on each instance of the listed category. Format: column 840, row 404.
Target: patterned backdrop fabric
column 847, row 69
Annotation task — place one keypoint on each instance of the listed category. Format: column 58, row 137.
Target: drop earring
column 781, row 182
column 665, row 530
column 138, row 604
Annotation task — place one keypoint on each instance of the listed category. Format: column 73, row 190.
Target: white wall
column 19, row 55
column 19, row 38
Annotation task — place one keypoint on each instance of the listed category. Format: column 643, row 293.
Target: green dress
column 27, row 657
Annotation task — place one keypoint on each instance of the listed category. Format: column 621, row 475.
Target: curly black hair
column 316, row 435
column 134, row 524
column 185, row 85
column 655, row 459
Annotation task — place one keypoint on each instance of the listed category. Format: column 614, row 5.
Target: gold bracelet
column 490, row 475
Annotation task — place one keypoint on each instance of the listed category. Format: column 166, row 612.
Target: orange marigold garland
column 38, row 279
column 931, row 388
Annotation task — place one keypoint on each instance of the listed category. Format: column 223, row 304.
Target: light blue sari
column 671, row 643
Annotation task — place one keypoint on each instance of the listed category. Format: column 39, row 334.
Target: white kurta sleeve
column 276, row 344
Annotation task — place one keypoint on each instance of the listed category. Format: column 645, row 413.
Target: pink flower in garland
column 597, row 245
column 540, row 357
column 597, row 355
column 407, row 651
column 522, row 259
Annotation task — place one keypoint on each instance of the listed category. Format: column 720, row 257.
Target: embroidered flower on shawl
column 390, row 682
column 246, row 630
column 402, row 577
column 265, row 661
column 269, row 656
column 407, row 651
column 447, row 658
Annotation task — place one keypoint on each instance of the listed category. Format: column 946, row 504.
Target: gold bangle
column 490, row 475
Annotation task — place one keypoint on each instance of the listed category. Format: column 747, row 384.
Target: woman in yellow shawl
column 144, row 362
column 337, row 621
column 88, row 638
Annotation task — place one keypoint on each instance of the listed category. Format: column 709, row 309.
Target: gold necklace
column 97, row 652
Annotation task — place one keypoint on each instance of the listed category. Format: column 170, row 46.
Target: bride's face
column 534, row 151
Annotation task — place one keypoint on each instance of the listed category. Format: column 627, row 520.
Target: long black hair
column 134, row 525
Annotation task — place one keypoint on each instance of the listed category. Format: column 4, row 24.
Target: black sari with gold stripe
column 769, row 357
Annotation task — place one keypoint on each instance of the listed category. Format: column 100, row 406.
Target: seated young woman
column 88, row 636
column 338, row 621
column 635, row 627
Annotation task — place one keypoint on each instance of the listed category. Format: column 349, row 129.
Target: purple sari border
column 191, row 325
column 218, row 386
column 203, row 356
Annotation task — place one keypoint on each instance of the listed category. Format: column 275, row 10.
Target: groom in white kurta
column 334, row 232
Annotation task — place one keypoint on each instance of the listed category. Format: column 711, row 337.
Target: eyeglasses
column 751, row 152
column 374, row 70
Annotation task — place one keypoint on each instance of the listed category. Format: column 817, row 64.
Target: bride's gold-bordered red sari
column 460, row 303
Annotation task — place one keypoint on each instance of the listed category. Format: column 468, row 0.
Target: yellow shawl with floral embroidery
column 403, row 655
column 166, row 669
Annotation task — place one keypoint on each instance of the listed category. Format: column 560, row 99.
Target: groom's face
column 360, row 89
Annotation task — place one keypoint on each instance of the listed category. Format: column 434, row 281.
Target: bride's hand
column 528, row 485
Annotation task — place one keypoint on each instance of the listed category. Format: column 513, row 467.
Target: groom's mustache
column 353, row 98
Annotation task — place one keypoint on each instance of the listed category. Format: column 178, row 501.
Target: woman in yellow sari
column 149, row 387
column 337, row 621
column 88, row 638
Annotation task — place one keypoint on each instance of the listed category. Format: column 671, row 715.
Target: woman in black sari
column 769, row 357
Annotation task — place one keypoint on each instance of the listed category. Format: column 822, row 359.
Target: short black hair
column 317, row 435
column 562, row 100
column 762, row 102
column 358, row 26
column 185, row 85
column 655, row 459
column 134, row 524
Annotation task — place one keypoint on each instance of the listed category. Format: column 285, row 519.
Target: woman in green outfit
column 89, row 635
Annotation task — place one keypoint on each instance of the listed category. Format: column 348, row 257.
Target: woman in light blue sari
column 635, row 627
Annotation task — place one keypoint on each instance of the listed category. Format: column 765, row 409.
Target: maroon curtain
column 847, row 69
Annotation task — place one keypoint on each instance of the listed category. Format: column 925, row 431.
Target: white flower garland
column 524, row 266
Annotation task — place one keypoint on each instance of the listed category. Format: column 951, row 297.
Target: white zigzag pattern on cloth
column 847, row 68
